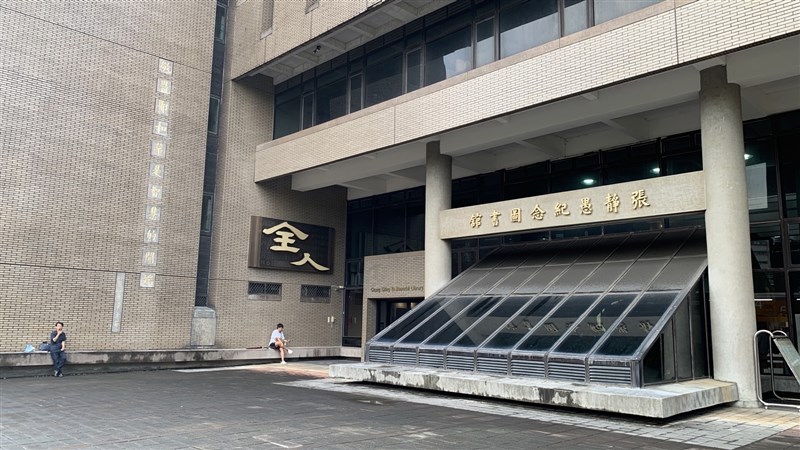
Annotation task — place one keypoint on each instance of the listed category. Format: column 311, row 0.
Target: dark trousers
column 59, row 359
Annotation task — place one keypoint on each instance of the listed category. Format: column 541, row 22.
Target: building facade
column 310, row 162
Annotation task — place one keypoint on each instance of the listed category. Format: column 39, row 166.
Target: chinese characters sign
column 281, row 244
column 624, row 201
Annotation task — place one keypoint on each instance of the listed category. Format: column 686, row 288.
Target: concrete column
column 438, row 189
column 733, row 318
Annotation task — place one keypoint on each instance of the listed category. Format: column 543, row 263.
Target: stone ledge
column 659, row 401
column 18, row 364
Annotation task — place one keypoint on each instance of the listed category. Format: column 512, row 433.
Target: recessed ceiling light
column 655, row 170
column 747, row 156
column 588, row 181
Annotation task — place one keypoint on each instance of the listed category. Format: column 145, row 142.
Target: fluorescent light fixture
column 588, row 181
column 747, row 156
column 763, row 299
column 655, row 170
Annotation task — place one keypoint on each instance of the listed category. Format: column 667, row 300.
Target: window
column 356, row 93
column 220, row 23
column 213, row 115
column 384, row 74
column 311, row 5
column 413, row 69
column 308, row 110
column 576, row 17
column 484, row 42
column 331, row 95
column 263, row 291
column 315, row 294
column 207, row 212
column 528, row 25
column 448, row 56
column 287, row 113
column 267, row 14
column 605, row 10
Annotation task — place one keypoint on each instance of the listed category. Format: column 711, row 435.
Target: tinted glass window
column 287, row 113
column 355, row 93
column 637, row 324
column 554, row 327
column 484, row 38
column 437, row 320
column 575, row 16
column 526, row 320
column 448, row 56
column 464, row 321
column 528, row 25
column 411, row 319
column 413, row 70
column 332, row 100
column 605, row 10
column 790, row 173
column 490, row 323
column 384, row 75
column 589, row 331
column 762, row 183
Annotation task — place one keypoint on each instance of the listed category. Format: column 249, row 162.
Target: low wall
column 18, row 364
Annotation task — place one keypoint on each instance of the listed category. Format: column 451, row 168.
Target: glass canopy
column 626, row 309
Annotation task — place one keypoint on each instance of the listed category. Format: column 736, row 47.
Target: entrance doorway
column 392, row 309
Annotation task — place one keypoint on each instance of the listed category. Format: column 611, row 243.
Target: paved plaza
column 298, row 406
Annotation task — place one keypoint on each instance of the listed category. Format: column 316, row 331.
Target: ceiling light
column 655, row 170
column 747, row 156
column 588, row 181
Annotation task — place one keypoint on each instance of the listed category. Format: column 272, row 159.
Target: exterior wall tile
column 77, row 96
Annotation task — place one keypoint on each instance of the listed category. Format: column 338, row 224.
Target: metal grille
column 461, row 362
column 493, row 365
column 566, row 371
column 264, row 291
column 610, row 374
column 404, row 357
column 431, row 360
column 375, row 355
column 527, row 368
column 310, row 293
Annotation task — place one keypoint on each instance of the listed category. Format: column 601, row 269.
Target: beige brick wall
column 77, row 94
column 641, row 43
column 247, row 120
column 381, row 274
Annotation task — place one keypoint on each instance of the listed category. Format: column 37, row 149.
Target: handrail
column 766, row 404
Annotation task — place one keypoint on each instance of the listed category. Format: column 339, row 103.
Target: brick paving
column 297, row 406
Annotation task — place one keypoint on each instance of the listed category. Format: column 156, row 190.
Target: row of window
column 309, row 293
column 446, row 43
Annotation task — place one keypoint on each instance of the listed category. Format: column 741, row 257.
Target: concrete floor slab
column 660, row 401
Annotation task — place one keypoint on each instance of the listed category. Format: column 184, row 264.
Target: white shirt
column 275, row 335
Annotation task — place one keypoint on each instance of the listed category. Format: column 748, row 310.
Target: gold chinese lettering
column 156, row 170
column 496, row 218
column 153, row 213
column 475, row 220
column 586, row 206
column 307, row 259
column 516, row 215
column 149, row 258
column 561, row 209
column 538, row 213
column 639, row 199
column 154, row 192
column 612, row 203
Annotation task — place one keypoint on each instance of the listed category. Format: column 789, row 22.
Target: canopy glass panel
column 632, row 306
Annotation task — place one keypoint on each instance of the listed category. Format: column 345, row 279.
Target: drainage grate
column 566, row 371
column 404, row 357
column 493, row 365
column 375, row 355
column 461, row 362
column 433, row 360
column 610, row 374
column 527, row 368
